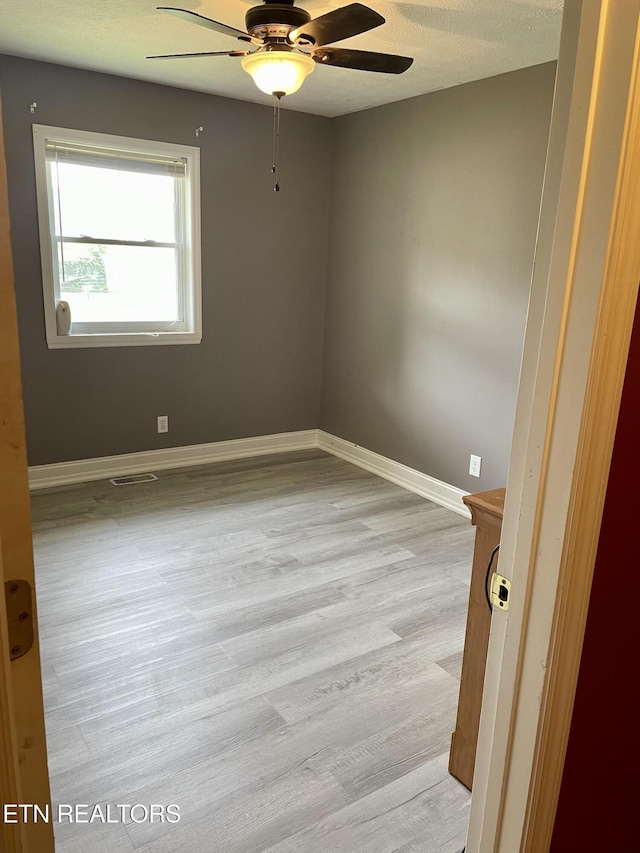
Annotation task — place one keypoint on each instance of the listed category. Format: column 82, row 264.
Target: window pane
column 106, row 203
column 104, row 284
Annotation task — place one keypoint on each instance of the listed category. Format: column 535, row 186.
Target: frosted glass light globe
column 278, row 71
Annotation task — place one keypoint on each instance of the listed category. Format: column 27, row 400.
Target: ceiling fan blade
column 195, row 18
column 337, row 25
column 187, row 55
column 362, row 60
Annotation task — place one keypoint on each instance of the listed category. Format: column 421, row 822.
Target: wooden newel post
column 486, row 514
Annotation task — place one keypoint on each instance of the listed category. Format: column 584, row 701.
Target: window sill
column 131, row 339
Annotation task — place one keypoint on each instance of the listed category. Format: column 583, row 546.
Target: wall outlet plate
column 475, row 463
column 163, row 423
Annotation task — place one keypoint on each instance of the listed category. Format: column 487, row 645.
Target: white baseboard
column 104, row 467
column 415, row 481
column 101, row 468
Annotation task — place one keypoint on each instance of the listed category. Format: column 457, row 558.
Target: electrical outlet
column 163, row 423
column 475, row 463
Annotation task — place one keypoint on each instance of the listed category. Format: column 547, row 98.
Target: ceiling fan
column 288, row 43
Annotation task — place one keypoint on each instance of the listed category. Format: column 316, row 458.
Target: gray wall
column 421, row 259
column 258, row 368
column 432, row 233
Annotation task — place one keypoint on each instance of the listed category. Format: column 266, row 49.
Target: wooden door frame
column 11, row 835
column 575, row 352
column 584, row 293
column 23, row 757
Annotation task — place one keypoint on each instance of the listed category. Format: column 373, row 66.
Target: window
column 119, row 238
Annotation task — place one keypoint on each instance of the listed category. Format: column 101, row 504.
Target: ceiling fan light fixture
column 280, row 72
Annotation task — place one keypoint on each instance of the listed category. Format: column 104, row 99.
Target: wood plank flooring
column 271, row 644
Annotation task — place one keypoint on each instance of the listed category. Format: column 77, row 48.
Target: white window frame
column 189, row 329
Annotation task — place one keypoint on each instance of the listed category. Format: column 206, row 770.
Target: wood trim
column 491, row 503
column 529, row 457
column 414, row 481
column 486, row 515
column 595, row 76
column 597, row 434
column 22, row 707
column 545, row 461
column 103, row 467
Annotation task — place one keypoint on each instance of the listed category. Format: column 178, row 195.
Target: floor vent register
column 133, row 479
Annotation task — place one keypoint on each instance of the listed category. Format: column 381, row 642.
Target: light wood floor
column 271, row 644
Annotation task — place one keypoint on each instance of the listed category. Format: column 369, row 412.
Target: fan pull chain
column 276, row 139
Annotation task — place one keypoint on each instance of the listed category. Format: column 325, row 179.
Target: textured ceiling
column 452, row 41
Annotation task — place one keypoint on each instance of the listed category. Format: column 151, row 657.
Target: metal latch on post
column 500, row 591
column 19, row 602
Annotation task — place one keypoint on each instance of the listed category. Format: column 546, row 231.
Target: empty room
column 270, row 336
